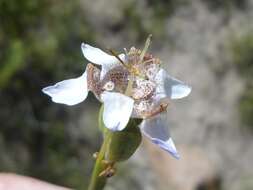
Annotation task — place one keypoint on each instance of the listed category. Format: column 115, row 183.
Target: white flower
column 129, row 85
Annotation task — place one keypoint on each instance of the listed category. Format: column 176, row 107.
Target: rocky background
column 207, row 43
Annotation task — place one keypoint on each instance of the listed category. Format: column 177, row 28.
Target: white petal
column 117, row 110
column 69, row 92
column 97, row 56
column 170, row 87
column 158, row 132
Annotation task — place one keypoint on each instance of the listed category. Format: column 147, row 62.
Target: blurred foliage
column 210, row 184
column 226, row 4
column 164, row 8
column 140, row 24
column 39, row 43
column 14, row 61
column 242, row 57
column 246, row 183
column 161, row 10
column 134, row 22
column 246, row 107
column 242, row 48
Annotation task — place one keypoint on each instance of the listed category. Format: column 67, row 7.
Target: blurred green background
column 207, row 43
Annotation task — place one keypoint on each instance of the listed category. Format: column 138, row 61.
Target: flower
column 131, row 84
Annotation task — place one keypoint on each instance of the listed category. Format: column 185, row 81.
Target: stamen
column 148, row 61
column 129, row 89
column 147, row 44
column 130, row 68
column 159, row 109
column 115, row 55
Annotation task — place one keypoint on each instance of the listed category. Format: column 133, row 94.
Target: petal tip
column 177, row 157
column 83, row 45
column 188, row 90
column 172, row 149
column 180, row 91
column 46, row 90
column 168, row 146
column 69, row 92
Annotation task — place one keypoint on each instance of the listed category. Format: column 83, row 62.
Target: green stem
column 98, row 182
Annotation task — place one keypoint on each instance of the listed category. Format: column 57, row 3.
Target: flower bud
column 122, row 144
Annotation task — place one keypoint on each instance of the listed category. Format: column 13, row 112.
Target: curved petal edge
column 99, row 57
column 170, row 87
column 158, row 132
column 117, row 110
column 69, row 92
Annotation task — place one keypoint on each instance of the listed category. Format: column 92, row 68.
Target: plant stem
column 98, row 182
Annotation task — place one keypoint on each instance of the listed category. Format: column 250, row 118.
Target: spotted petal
column 69, row 92
column 170, row 87
column 158, row 132
column 117, row 110
column 99, row 57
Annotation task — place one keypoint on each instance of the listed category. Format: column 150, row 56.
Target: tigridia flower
column 131, row 84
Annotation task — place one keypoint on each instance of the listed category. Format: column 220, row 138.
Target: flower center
column 136, row 78
column 143, row 89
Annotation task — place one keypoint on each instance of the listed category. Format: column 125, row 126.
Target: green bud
column 122, row 144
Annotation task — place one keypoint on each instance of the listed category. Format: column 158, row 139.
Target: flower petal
column 170, row 87
column 97, row 56
column 117, row 110
column 158, row 132
column 69, row 92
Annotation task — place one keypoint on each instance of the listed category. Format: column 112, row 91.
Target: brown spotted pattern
column 144, row 85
